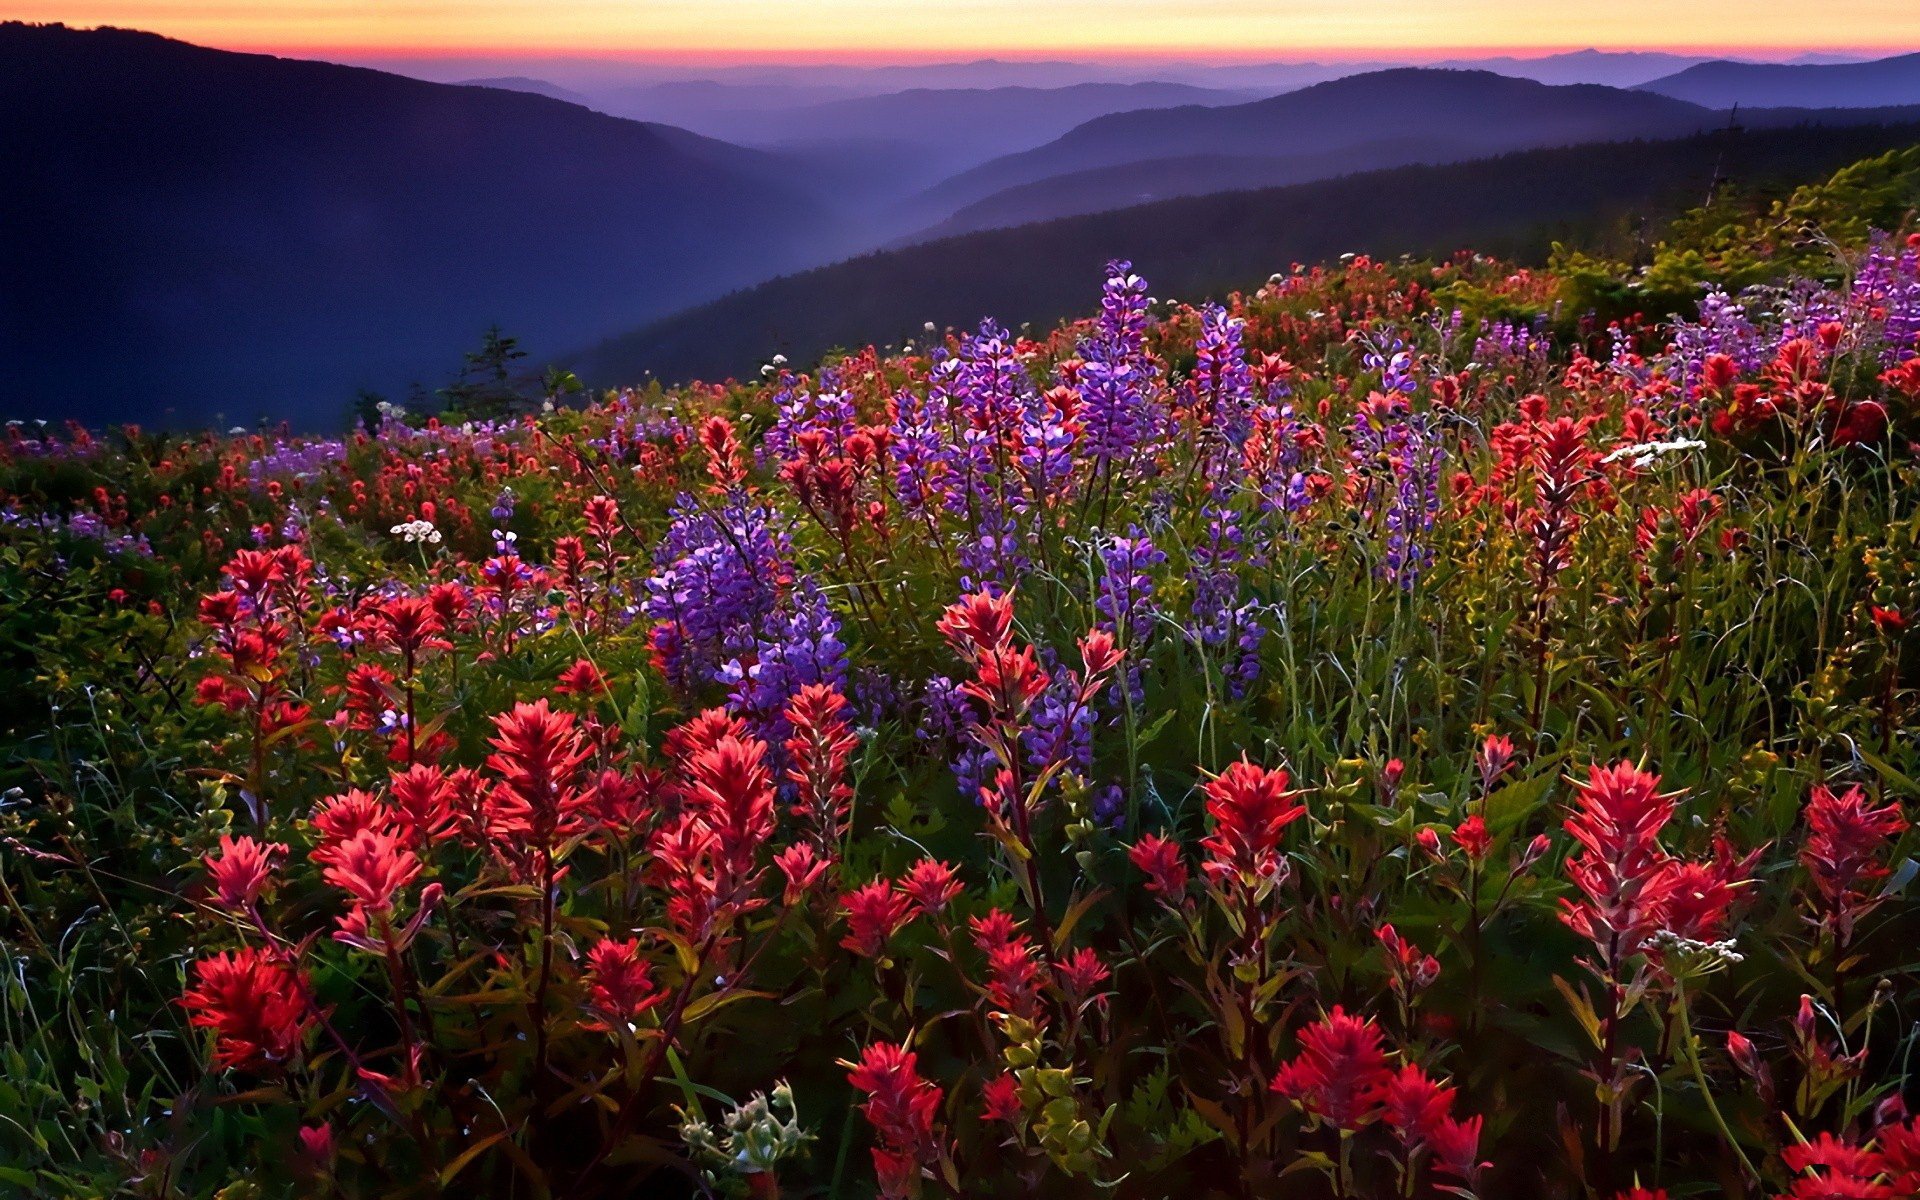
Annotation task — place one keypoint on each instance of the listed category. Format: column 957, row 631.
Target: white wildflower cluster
column 1690, row 956
column 1644, row 453
column 414, row 532
column 752, row 1138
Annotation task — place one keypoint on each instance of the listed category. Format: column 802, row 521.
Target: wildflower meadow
column 1384, row 735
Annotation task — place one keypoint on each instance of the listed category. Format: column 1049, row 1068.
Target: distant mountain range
column 1516, row 204
column 200, row 232
column 1878, row 83
column 208, row 233
column 968, row 124
column 520, row 83
column 1385, row 118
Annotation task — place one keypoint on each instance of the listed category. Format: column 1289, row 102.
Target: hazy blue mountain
column 1432, row 115
column 521, row 83
column 1876, row 83
column 1614, row 68
column 203, row 232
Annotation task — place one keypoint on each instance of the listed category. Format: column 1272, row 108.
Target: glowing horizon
column 711, row 32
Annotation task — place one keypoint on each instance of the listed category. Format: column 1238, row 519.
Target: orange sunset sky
column 844, row 29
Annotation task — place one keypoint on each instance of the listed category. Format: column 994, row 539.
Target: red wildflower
column 537, row 754
column 819, row 750
column 603, row 518
column 1082, row 972
column 619, row 983
column 1000, row 1099
column 931, row 884
column 1471, row 836
column 725, row 465
column 1456, row 1147
column 371, row 868
column 1250, row 807
column 978, row 623
column 339, row 819
column 803, row 868
column 254, row 1003
column 1846, row 836
column 242, row 870
column 1619, row 813
column 1831, row 1169
column 1493, row 759
column 733, row 793
column 1159, row 858
column 582, row 679
column 1413, row 1105
column 1410, row 968
column 900, row 1106
column 1340, row 1074
column 874, row 914
column 422, row 803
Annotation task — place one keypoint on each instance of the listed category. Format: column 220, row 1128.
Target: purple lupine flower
column 1399, row 373
column 295, row 462
column 1120, row 405
column 502, row 510
column 1222, row 619
column 1398, row 456
column 799, row 645
column 797, row 409
column 1059, row 728
column 1221, row 387
column 1123, row 602
column 1723, row 327
column 1046, row 456
column 1512, row 342
column 715, row 587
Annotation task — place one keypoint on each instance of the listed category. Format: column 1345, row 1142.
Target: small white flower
column 415, row 532
column 1645, row 453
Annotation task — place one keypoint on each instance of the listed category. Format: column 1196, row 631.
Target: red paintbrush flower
column 371, row 868
column 901, row 1107
column 1409, row 968
column 1159, row 858
column 1846, row 836
column 732, row 790
column 339, row 819
column 1471, row 836
column 243, row 870
column 803, row 868
column 582, row 679
column 1000, row 1099
column 1250, row 808
column 1619, row 869
column 1413, row 1105
column 619, row 983
column 931, row 885
column 1456, row 1147
column 978, row 623
column 537, row 754
column 874, row 914
column 254, row 1003
column 818, row 752
column 1340, row 1074
column 1828, row 1168
column 422, row 803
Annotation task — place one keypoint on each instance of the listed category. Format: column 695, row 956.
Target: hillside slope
column 1515, row 205
column 238, row 235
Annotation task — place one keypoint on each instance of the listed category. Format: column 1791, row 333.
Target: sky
column 903, row 30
